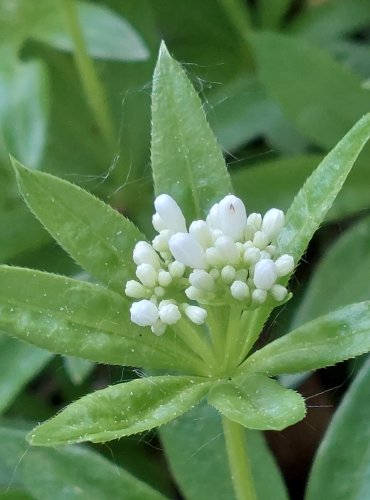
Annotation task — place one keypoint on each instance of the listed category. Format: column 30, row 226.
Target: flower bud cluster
column 228, row 258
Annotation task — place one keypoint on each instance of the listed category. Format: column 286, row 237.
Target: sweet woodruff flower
column 229, row 258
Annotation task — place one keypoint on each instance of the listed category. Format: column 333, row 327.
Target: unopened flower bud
column 158, row 223
column 196, row 314
column 200, row 230
column 272, row 223
column 265, row 274
column 228, row 274
column 186, row 249
column 259, row 296
column 170, row 213
column 144, row 313
column 239, row 290
column 176, row 269
column 232, row 217
column 252, row 256
column 158, row 328
column 164, row 278
column 145, row 254
column 284, row 265
column 227, row 248
column 254, row 221
column 135, row 290
column 169, row 313
column 214, row 258
column 201, row 279
column 279, row 292
column 147, row 275
column 194, row 293
column 212, row 219
column 260, row 240
column 160, row 242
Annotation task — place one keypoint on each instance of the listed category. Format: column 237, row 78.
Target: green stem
column 194, row 340
column 217, row 332
column 232, row 334
column 239, row 462
column 90, row 81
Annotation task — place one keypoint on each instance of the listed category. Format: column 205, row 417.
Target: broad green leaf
column 121, row 410
column 301, row 78
column 346, row 17
column 335, row 337
column 15, row 494
column 350, row 251
column 107, row 35
column 276, row 182
column 94, row 234
column 317, row 195
column 70, row 473
column 186, row 159
column 24, row 106
column 271, row 14
column 19, row 364
column 195, row 448
column 81, row 319
column 78, row 369
column 341, row 468
column 257, row 402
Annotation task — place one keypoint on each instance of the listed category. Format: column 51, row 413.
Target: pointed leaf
column 186, row 159
column 317, row 195
column 94, row 234
column 341, row 467
column 258, row 402
column 122, row 410
column 196, row 452
column 70, row 473
column 337, row 336
column 107, row 35
column 81, row 319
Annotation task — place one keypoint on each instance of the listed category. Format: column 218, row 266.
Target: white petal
column 272, row 223
column 144, row 313
column 158, row 223
column 147, row 275
column 227, row 248
column 232, row 216
column 144, row 253
column 170, row 213
column 186, row 249
column 265, row 274
column 212, row 218
column 200, row 230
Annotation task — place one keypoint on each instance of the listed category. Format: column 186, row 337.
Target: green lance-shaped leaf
column 99, row 239
column 341, row 467
column 121, row 410
column 187, row 161
column 317, row 195
column 337, row 336
column 258, row 402
column 68, row 316
column 69, row 473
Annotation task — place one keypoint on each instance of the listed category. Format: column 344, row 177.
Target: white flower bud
column 228, row 274
column 186, row 249
column 228, row 250
column 241, row 275
column 144, row 313
column 214, row 258
column 272, row 223
column 215, row 273
column 169, row 313
column 251, row 256
column 147, row 275
column 164, row 278
column 271, row 249
column 159, row 291
column 284, row 265
column 200, row 230
column 259, row 296
column 194, row 293
column 170, row 213
column 136, row 290
column 260, row 240
column 265, row 274
column 160, row 242
column 265, row 255
column 145, row 254
column 254, row 221
column 232, row 217
column 279, row 292
column 201, row 279
column 158, row 328
column 196, row 314
column 239, row 290
column 176, row 269
column 212, row 219
column 158, row 223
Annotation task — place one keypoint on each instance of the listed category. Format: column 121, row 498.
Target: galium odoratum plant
column 190, row 304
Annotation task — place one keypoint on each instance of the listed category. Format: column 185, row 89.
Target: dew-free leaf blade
column 317, row 195
column 341, row 467
column 186, row 159
column 257, row 402
column 325, row 341
column 107, row 35
column 196, row 452
column 72, row 472
column 122, row 410
column 99, row 239
column 72, row 317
